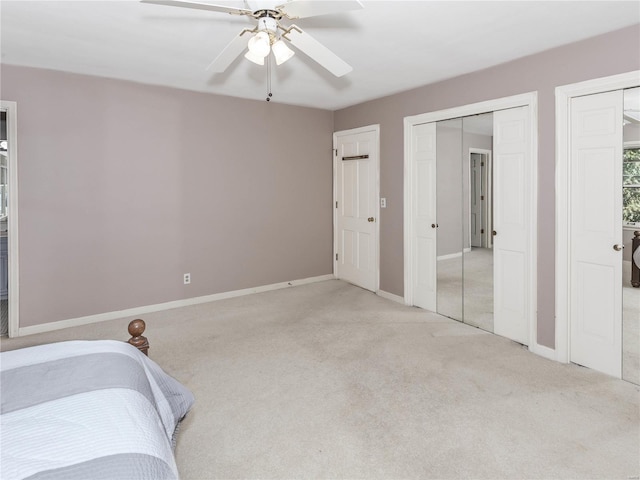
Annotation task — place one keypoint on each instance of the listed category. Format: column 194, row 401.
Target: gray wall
column 631, row 133
column 124, row 187
column 609, row 54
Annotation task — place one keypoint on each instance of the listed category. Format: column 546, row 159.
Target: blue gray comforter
column 87, row 410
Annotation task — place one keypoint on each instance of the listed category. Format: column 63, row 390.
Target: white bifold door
column 595, row 295
column 512, row 170
column 356, row 236
column 424, row 271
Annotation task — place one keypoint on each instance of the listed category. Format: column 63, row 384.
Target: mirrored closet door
column 450, row 241
column 477, row 148
column 464, row 211
column 631, row 237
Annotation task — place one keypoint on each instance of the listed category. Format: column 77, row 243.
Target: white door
column 512, row 170
column 356, row 242
column 596, row 232
column 424, row 273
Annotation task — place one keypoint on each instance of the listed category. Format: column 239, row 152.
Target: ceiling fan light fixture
column 257, row 59
column 281, row 52
column 260, row 44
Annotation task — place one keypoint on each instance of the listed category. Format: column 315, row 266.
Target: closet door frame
column 529, row 99
column 564, row 94
column 13, row 245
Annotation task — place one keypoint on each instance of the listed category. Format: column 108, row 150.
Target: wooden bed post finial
column 136, row 329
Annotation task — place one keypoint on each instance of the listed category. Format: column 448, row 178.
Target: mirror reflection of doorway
column 480, row 197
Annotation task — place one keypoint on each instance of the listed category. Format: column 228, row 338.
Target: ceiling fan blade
column 311, row 8
column 318, row 52
column 230, row 52
column 200, row 6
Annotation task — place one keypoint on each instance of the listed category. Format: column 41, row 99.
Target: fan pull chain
column 269, row 94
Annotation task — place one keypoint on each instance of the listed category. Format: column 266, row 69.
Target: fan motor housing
column 267, row 23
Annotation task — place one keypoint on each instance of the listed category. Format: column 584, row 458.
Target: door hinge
column 336, row 256
column 336, row 204
column 481, row 197
column 482, row 230
column 482, row 164
column 335, row 152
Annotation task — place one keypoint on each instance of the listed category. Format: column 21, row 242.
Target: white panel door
column 596, row 231
column 423, row 153
column 357, row 208
column 512, row 223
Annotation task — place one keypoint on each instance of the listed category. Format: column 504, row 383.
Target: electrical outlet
column 383, row 203
column 187, row 278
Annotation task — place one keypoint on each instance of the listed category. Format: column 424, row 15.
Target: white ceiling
column 392, row 45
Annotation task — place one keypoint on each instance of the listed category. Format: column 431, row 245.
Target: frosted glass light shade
column 257, row 59
column 260, row 44
column 281, row 52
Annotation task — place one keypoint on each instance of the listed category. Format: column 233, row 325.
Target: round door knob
column 371, row 219
column 494, row 233
column 618, row 247
column 434, row 225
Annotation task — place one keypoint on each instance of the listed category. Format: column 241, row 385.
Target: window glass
column 631, row 187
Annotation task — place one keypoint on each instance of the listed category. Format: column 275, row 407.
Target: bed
column 94, row 410
column 635, row 259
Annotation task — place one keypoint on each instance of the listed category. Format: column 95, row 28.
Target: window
column 631, row 187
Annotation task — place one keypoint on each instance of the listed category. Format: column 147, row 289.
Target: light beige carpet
column 630, row 327
column 329, row 381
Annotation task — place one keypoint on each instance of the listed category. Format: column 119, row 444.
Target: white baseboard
column 137, row 311
column 546, row 352
column 391, row 296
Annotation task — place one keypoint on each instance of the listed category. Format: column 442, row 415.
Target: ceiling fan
column 270, row 36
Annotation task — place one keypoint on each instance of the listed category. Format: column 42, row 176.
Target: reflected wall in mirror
column 477, row 191
column 631, row 224
column 449, row 206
